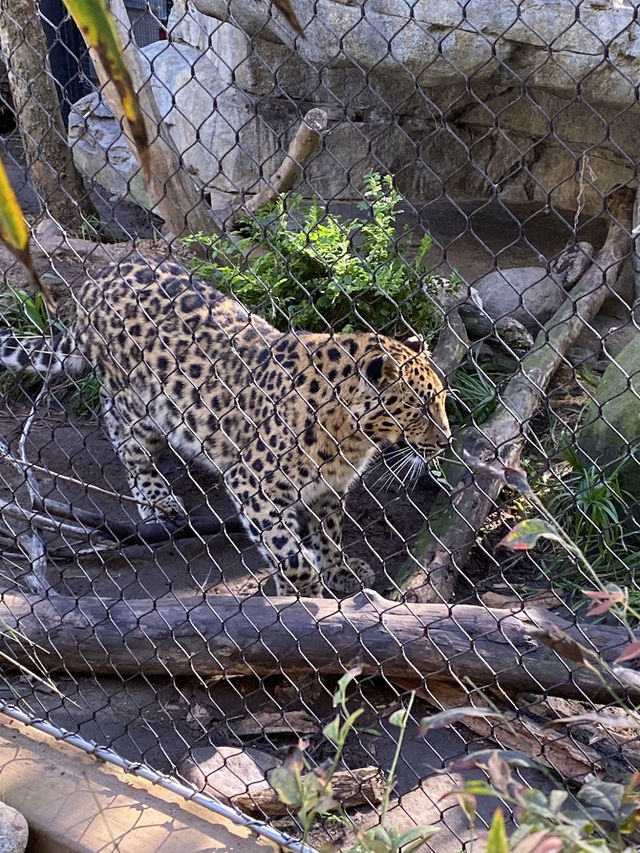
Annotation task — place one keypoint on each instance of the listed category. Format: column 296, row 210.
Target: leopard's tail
column 41, row 354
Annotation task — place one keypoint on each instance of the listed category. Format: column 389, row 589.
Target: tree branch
column 455, row 519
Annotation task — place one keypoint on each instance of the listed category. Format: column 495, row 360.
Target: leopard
column 289, row 420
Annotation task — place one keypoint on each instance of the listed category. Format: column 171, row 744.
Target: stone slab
column 75, row 803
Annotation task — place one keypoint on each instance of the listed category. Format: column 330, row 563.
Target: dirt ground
column 157, row 721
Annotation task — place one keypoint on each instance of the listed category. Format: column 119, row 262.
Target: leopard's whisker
column 395, row 468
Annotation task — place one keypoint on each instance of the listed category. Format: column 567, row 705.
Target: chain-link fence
column 221, row 439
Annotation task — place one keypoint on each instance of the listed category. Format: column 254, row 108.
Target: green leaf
column 453, row 715
column 414, row 838
column 557, row 799
column 13, row 227
column 606, row 796
column 14, row 233
column 478, row 788
column 497, row 841
column 376, row 840
column 332, row 731
column 286, row 784
column 399, row 718
column 350, row 675
column 524, row 536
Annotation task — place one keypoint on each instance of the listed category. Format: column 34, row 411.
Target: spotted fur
column 289, row 420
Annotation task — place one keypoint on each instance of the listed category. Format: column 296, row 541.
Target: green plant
column 85, row 399
column 474, row 393
column 594, row 510
column 24, row 313
column 599, row 819
column 318, row 271
column 309, row 789
column 93, row 227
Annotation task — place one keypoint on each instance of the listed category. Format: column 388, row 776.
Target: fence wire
column 215, row 495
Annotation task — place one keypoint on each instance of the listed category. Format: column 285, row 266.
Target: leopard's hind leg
column 139, row 442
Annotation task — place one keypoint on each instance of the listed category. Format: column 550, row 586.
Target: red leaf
column 630, row 652
column 605, row 599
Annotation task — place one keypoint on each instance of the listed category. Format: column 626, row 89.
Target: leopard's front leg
column 278, row 529
column 339, row 573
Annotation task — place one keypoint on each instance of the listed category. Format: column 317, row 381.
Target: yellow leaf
column 13, row 228
column 14, row 233
column 98, row 29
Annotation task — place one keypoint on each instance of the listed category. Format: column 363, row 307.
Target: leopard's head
column 410, row 399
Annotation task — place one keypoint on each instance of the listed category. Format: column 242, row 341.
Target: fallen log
column 302, row 147
column 219, row 635
column 357, row 787
column 442, row 548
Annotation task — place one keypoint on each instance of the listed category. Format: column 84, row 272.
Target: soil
column 157, row 721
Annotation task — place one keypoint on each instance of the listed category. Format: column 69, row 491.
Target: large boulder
column 433, row 93
column 214, row 126
column 532, row 295
column 610, row 435
column 435, row 97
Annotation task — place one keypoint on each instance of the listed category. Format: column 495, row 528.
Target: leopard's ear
column 381, row 368
column 415, row 343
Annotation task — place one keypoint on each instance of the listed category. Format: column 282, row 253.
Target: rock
column 410, row 96
column 425, row 88
column 611, row 427
column 14, row 831
column 608, row 334
column 227, row 771
column 529, row 295
column 214, row 126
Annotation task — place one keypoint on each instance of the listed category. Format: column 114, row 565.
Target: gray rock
column 409, row 95
column 532, row 295
column 14, row 831
column 227, row 771
column 611, row 426
column 441, row 76
column 214, row 126
column 607, row 335
column 528, row 294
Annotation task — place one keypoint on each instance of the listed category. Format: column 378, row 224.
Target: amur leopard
column 288, row 419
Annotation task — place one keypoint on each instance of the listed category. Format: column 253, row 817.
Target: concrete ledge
column 75, row 803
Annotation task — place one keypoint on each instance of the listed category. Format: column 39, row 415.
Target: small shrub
column 319, row 271
column 473, row 393
column 595, row 512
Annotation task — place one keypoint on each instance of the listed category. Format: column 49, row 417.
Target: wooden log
column 452, row 345
column 301, row 149
column 443, row 546
column 357, row 787
column 220, row 635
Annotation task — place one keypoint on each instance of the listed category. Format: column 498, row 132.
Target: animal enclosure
column 336, row 414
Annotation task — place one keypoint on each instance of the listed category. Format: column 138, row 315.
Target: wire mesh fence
column 337, row 413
